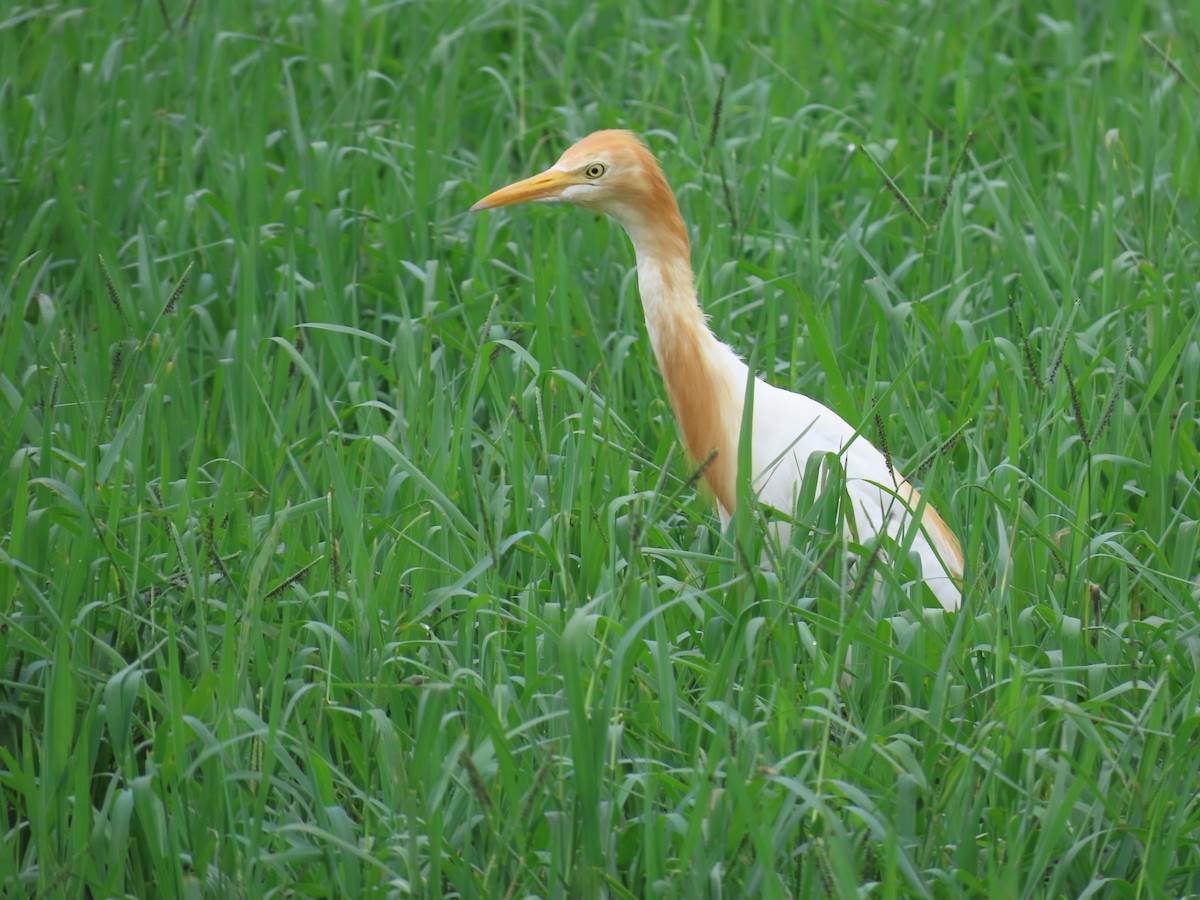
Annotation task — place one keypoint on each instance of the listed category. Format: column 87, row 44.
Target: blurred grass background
column 347, row 548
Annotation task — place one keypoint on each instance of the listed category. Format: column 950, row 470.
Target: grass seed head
column 1077, row 408
column 108, row 283
column 178, row 292
column 881, row 434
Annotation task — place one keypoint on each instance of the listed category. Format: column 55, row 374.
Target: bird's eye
column 595, row 170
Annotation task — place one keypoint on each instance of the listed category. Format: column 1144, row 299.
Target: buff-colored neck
column 695, row 366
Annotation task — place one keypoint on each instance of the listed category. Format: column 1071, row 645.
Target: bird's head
column 608, row 171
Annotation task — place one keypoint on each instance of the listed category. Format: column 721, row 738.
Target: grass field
column 346, row 545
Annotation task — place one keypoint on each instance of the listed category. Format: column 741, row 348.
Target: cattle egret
column 612, row 172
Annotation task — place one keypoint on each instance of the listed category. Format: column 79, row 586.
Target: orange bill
column 545, row 186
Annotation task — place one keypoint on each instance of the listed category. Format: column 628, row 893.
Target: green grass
column 346, row 548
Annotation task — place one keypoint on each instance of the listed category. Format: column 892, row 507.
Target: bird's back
column 789, row 428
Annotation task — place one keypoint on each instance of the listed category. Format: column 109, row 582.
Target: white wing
column 788, row 428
